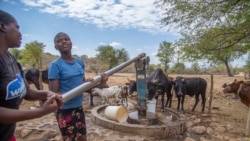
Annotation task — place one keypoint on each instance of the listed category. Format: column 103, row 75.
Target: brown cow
column 241, row 89
column 225, row 85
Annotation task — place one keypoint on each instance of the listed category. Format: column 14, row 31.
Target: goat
column 106, row 93
column 124, row 96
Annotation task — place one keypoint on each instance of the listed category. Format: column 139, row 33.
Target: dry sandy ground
column 225, row 111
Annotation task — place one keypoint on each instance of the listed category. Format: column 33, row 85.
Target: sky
column 130, row 24
column 134, row 25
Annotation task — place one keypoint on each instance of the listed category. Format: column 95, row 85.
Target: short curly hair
column 59, row 34
column 6, row 18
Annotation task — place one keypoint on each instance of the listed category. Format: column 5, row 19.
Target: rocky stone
column 189, row 139
column 199, row 130
column 220, row 129
column 210, row 131
column 196, row 121
column 24, row 133
column 189, row 124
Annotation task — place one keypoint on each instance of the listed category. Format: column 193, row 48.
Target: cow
column 150, row 89
column 241, row 89
column 190, row 86
column 131, row 86
column 45, row 76
column 157, row 84
column 225, row 86
column 32, row 77
column 162, row 86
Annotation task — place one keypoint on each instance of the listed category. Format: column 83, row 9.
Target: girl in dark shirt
column 13, row 88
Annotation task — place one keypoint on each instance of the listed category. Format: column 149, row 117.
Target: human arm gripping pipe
column 87, row 85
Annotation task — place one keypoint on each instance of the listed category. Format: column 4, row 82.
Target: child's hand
column 104, row 78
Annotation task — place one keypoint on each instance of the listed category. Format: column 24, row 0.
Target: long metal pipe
column 87, row 85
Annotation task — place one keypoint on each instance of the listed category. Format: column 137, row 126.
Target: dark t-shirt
column 12, row 90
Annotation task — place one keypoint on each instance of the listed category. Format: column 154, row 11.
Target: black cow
column 157, row 84
column 150, row 88
column 32, row 77
column 162, row 86
column 45, row 76
column 190, row 86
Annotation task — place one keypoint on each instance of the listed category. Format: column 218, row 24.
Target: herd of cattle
column 158, row 84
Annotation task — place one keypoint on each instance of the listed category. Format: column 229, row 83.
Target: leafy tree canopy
column 111, row 56
column 16, row 53
column 32, row 53
column 218, row 31
column 165, row 54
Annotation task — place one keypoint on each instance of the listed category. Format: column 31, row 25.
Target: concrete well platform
column 164, row 128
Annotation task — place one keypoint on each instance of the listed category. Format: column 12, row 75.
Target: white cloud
column 115, row 44
column 142, row 15
column 26, row 35
column 75, row 47
column 36, row 3
column 101, row 43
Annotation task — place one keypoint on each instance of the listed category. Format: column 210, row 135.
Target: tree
column 16, row 53
column 195, row 67
column 178, row 67
column 94, row 65
column 203, row 47
column 247, row 65
column 196, row 15
column 32, row 53
column 218, row 31
column 165, row 54
column 150, row 68
column 110, row 56
column 121, row 55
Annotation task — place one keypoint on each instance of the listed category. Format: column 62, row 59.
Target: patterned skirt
column 71, row 123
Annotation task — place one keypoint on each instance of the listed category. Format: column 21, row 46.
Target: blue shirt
column 70, row 75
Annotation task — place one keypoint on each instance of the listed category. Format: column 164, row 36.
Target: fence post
column 211, row 94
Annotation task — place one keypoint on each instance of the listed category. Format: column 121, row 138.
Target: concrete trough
column 164, row 128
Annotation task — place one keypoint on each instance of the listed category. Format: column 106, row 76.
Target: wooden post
column 40, row 80
column 40, row 74
column 211, row 94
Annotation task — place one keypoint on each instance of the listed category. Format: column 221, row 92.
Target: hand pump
column 140, row 66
